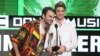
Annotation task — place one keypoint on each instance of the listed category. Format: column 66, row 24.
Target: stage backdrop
column 34, row 7
column 88, row 30
column 86, row 13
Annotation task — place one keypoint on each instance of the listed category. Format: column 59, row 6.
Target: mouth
column 51, row 22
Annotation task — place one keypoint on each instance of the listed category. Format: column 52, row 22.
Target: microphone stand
column 55, row 48
column 56, row 36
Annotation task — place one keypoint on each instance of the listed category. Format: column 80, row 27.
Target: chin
column 49, row 24
column 60, row 18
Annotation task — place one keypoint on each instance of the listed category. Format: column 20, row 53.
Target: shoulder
column 71, row 22
column 31, row 24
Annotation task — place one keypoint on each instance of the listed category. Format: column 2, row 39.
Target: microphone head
column 56, row 26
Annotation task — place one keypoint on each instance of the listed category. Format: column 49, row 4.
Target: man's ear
column 43, row 16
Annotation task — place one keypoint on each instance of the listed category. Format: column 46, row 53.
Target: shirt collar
column 42, row 31
column 64, row 21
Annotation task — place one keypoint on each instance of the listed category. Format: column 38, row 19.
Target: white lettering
column 7, row 43
column 79, row 22
column 81, row 43
column 26, row 19
column 98, row 22
column 91, row 22
column 17, row 21
column 0, row 42
column 95, row 41
column 4, row 22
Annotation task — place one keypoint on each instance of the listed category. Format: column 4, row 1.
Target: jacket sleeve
column 20, row 35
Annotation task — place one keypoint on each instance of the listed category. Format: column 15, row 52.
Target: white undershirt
column 42, row 32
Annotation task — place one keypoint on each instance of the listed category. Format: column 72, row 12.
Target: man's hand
column 16, row 49
column 61, row 49
column 49, row 50
column 17, row 54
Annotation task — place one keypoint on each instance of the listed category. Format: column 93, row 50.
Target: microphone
column 56, row 26
column 56, row 48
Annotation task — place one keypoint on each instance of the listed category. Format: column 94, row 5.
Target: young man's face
column 60, row 13
column 48, row 18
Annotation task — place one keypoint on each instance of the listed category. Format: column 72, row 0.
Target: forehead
column 49, row 12
column 60, row 8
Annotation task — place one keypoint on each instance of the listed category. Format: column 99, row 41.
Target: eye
column 57, row 10
column 63, row 10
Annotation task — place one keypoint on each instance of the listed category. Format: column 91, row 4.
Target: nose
column 52, row 19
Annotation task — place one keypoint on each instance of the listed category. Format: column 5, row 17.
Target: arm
column 73, row 35
column 17, row 38
column 16, row 49
column 47, row 45
column 68, row 42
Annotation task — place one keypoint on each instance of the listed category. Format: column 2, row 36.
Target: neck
column 44, row 25
column 59, row 21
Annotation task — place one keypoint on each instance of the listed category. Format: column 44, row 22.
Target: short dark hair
column 46, row 9
column 60, row 4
